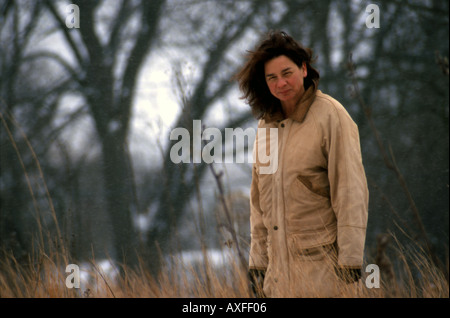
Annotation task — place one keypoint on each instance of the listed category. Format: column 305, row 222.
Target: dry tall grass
column 45, row 277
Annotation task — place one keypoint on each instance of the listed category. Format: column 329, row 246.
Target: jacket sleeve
column 258, row 258
column 348, row 187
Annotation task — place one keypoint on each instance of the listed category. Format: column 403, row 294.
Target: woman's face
column 285, row 79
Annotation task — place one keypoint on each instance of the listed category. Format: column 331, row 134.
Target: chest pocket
column 309, row 211
column 322, row 192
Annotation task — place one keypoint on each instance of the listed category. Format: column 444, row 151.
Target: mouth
column 284, row 92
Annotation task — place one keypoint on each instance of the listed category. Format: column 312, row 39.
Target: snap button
column 282, row 125
column 275, row 227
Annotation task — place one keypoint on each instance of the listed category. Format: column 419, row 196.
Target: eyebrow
column 282, row 71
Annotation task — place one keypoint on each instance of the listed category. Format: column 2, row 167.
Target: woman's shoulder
column 326, row 104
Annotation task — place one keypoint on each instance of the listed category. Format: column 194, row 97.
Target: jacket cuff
column 351, row 246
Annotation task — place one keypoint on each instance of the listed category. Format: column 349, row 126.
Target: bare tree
column 26, row 108
column 106, row 70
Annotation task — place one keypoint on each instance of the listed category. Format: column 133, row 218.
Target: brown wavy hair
column 251, row 77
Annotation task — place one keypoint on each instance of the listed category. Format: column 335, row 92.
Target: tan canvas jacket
column 311, row 213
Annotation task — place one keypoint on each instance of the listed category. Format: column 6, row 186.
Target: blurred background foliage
column 86, row 115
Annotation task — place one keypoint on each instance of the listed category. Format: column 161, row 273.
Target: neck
column 288, row 108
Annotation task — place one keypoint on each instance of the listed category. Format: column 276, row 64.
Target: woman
column 308, row 216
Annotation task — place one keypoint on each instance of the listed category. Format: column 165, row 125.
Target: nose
column 281, row 83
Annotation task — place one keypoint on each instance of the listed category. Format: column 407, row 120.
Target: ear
column 304, row 70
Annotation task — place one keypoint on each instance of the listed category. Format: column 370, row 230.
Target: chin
column 286, row 99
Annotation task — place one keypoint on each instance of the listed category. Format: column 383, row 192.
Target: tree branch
column 391, row 163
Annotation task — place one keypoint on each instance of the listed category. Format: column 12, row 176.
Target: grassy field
column 414, row 277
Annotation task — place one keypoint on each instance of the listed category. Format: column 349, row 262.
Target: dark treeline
column 57, row 83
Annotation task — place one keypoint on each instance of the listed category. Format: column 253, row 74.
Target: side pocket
column 317, row 253
column 312, row 254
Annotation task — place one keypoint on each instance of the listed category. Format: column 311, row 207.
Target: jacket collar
column 300, row 110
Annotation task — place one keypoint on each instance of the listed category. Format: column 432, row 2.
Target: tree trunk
column 119, row 198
